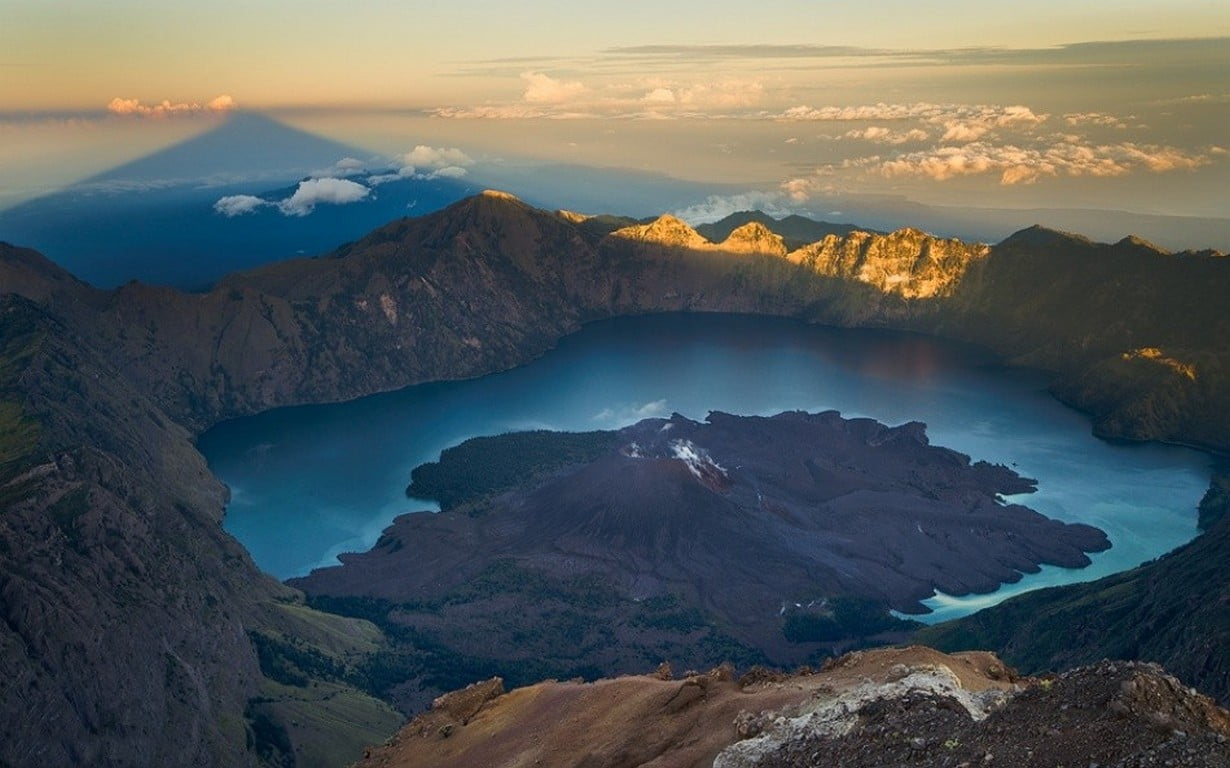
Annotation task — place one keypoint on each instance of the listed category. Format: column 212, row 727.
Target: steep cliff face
column 123, row 640
column 1136, row 335
column 909, row 263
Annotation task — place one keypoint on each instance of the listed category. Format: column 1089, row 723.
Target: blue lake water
column 311, row 482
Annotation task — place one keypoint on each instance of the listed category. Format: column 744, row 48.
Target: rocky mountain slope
column 490, row 282
column 908, row 706
column 115, row 572
column 130, row 619
column 1136, row 334
column 111, row 520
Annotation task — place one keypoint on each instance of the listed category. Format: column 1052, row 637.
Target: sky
column 1118, row 105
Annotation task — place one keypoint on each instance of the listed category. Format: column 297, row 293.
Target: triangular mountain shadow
column 243, row 144
column 152, row 219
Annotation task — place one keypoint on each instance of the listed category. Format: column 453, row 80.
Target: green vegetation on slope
column 312, row 711
column 20, row 337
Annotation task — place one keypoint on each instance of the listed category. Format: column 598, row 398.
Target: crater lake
column 310, row 482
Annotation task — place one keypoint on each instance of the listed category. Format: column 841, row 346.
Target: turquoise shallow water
column 310, row 482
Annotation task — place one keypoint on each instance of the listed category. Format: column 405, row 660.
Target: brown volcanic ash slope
column 740, row 519
column 909, row 706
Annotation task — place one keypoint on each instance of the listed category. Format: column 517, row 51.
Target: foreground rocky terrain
column 134, row 628
column 908, row 706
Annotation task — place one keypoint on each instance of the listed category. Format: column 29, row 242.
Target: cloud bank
column 544, row 89
column 882, row 135
column 134, row 107
column 545, row 97
column 1026, row 165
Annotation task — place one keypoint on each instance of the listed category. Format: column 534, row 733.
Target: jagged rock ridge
column 908, row 706
column 907, row 262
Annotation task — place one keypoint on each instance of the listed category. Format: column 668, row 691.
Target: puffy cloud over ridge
column 424, row 162
column 435, row 158
column 313, row 192
column 309, row 194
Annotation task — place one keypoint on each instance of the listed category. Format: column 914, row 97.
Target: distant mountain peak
column 499, row 194
column 573, row 216
column 1135, row 242
column 754, row 237
column 665, row 230
column 1038, row 235
column 796, row 231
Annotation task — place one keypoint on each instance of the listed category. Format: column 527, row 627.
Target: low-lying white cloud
column 717, row 207
column 1094, row 118
column 437, row 158
column 541, row 88
column 491, row 112
column 309, row 194
column 659, row 96
column 426, row 163
column 1014, row 164
column 956, row 122
column 545, row 97
column 722, row 94
column 348, row 165
column 314, row 192
column 134, row 107
column 238, row 205
column 223, row 103
column 883, row 135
